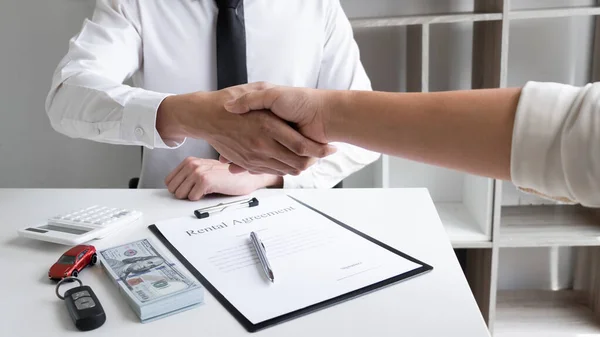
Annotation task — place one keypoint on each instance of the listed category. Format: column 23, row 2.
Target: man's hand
column 303, row 107
column 196, row 177
column 259, row 141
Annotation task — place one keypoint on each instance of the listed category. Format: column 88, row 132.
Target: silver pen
column 261, row 251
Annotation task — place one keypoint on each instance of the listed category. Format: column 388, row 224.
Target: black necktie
column 231, row 44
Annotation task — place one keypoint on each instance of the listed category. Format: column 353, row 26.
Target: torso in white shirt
column 284, row 42
column 169, row 47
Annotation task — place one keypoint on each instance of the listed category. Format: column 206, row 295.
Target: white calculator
column 82, row 225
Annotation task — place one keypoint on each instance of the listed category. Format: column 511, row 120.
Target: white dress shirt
column 556, row 142
column 169, row 47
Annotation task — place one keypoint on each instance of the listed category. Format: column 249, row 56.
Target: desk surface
column 439, row 303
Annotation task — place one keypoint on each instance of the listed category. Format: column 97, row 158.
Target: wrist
column 169, row 119
column 333, row 101
column 186, row 115
column 200, row 115
column 270, row 181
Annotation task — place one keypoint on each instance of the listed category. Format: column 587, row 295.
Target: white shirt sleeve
column 556, row 142
column 88, row 99
column 340, row 69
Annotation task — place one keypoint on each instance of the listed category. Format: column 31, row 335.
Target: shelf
column 553, row 13
column 462, row 229
column 472, row 17
column 544, row 313
column 424, row 19
column 549, row 225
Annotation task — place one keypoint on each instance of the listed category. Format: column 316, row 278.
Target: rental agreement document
column 313, row 258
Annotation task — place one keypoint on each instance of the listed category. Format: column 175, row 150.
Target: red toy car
column 73, row 261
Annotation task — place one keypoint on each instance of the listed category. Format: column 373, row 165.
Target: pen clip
column 205, row 212
column 255, row 237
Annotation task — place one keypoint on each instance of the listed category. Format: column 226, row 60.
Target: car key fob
column 83, row 306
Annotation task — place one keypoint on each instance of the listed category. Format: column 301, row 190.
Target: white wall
column 34, row 36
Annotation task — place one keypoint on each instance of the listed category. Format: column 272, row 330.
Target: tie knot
column 224, row 4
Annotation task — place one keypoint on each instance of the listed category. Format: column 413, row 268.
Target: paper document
column 313, row 258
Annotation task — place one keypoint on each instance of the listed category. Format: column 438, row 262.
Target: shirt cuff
column 138, row 125
column 303, row 180
column 323, row 174
column 329, row 171
column 536, row 162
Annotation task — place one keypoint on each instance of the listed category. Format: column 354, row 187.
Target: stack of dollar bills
column 153, row 286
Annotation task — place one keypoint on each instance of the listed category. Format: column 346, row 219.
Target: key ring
column 63, row 280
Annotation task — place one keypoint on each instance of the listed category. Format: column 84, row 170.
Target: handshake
column 259, row 128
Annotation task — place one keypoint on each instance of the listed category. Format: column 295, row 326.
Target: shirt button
column 139, row 132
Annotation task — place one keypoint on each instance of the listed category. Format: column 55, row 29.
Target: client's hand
column 196, row 177
column 301, row 106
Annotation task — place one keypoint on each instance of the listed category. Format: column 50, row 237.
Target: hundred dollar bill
column 144, row 273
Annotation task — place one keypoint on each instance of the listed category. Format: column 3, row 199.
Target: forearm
column 190, row 115
column 469, row 131
column 170, row 117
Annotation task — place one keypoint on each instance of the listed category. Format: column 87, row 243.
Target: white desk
column 438, row 303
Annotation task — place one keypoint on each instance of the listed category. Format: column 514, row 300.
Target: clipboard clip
column 205, row 212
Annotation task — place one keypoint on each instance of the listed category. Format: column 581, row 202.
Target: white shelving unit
column 482, row 215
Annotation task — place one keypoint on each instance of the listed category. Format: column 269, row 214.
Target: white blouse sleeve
column 556, row 142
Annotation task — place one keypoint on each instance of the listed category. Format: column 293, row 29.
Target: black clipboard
column 251, row 327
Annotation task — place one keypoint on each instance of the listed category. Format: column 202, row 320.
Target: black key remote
column 84, row 308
